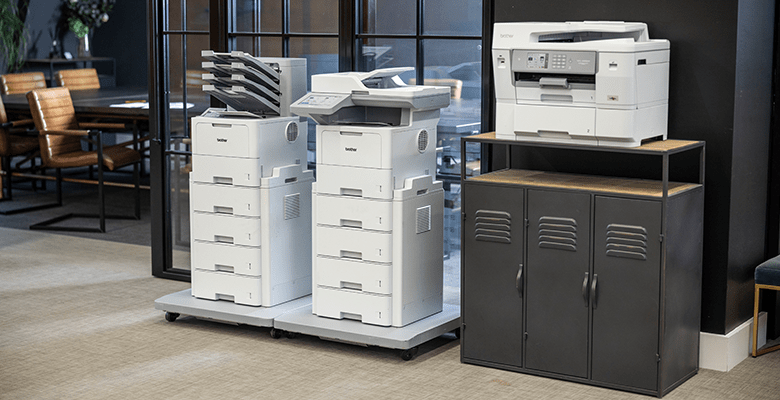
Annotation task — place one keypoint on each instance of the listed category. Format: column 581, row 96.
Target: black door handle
column 594, row 294
column 585, row 288
column 519, row 281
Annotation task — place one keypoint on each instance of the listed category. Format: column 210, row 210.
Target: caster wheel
column 290, row 335
column 276, row 333
column 408, row 354
column 171, row 316
column 456, row 332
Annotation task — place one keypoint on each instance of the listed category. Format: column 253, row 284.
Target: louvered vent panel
column 423, row 219
column 626, row 241
column 493, row 226
column 557, row 233
column 292, row 206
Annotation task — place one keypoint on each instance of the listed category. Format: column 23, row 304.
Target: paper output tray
column 233, row 80
column 241, row 58
column 239, row 98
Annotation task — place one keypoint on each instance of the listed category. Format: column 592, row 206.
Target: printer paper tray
column 555, row 121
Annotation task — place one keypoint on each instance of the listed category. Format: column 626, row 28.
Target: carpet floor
column 77, row 320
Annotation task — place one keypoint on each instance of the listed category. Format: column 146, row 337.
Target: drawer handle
column 519, row 281
column 352, row 192
column 223, row 210
column 223, row 239
column 351, row 285
column 225, row 126
column 350, row 223
column 351, row 254
column 224, row 268
column 223, row 180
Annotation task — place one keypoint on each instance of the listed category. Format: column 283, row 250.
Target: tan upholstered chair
column 77, row 79
column 15, row 141
column 21, row 83
column 60, row 136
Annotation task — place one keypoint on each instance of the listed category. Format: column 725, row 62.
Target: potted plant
column 83, row 16
column 13, row 36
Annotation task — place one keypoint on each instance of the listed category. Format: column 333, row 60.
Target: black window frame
column 219, row 33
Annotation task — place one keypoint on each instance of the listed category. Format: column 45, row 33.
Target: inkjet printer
column 588, row 83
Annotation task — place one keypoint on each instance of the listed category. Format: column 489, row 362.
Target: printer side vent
column 627, row 241
column 422, row 141
column 557, row 233
column 423, row 219
column 493, row 226
column 292, row 206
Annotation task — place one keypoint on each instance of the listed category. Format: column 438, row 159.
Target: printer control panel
column 322, row 100
column 568, row 62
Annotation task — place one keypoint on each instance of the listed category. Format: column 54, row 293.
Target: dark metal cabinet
column 625, row 291
column 558, row 268
column 493, row 232
column 585, row 278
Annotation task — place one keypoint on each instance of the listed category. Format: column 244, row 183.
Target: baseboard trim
column 724, row 352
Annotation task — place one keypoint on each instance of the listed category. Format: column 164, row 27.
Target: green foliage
column 83, row 15
column 13, row 36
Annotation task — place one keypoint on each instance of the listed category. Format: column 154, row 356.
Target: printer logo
column 506, row 35
column 221, row 140
column 352, row 149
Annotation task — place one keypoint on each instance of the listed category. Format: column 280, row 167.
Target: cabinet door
column 558, row 265
column 492, row 258
column 627, row 257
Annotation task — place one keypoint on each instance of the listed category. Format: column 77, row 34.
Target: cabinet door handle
column 519, row 281
column 594, row 294
column 585, row 289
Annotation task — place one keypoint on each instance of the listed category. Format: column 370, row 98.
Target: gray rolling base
column 406, row 338
column 183, row 303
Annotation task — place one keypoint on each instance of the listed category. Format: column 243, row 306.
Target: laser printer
column 250, row 191
column 585, row 83
column 378, row 211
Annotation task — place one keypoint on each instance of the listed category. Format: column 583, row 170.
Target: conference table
column 113, row 104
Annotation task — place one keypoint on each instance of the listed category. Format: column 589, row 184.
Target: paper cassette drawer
column 226, row 229
column 224, row 257
column 354, row 244
column 354, row 275
column 240, row 289
column 225, row 199
column 354, row 212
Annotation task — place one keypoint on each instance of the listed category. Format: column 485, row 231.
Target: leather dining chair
column 77, row 79
column 15, row 141
column 60, row 136
column 21, row 83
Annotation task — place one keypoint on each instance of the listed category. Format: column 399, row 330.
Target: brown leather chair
column 16, row 141
column 21, row 83
column 77, row 79
column 60, row 136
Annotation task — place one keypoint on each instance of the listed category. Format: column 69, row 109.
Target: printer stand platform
column 406, row 338
column 182, row 303
column 295, row 317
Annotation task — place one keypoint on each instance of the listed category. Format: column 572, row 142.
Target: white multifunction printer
column 377, row 208
column 250, row 191
column 590, row 83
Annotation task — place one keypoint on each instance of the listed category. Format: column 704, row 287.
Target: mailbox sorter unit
column 377, row 225
column 250, row 194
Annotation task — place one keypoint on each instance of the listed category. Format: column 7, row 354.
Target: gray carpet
column 77, row 320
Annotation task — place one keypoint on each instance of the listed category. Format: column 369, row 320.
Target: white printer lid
column 584, row 35
column 378, row 88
